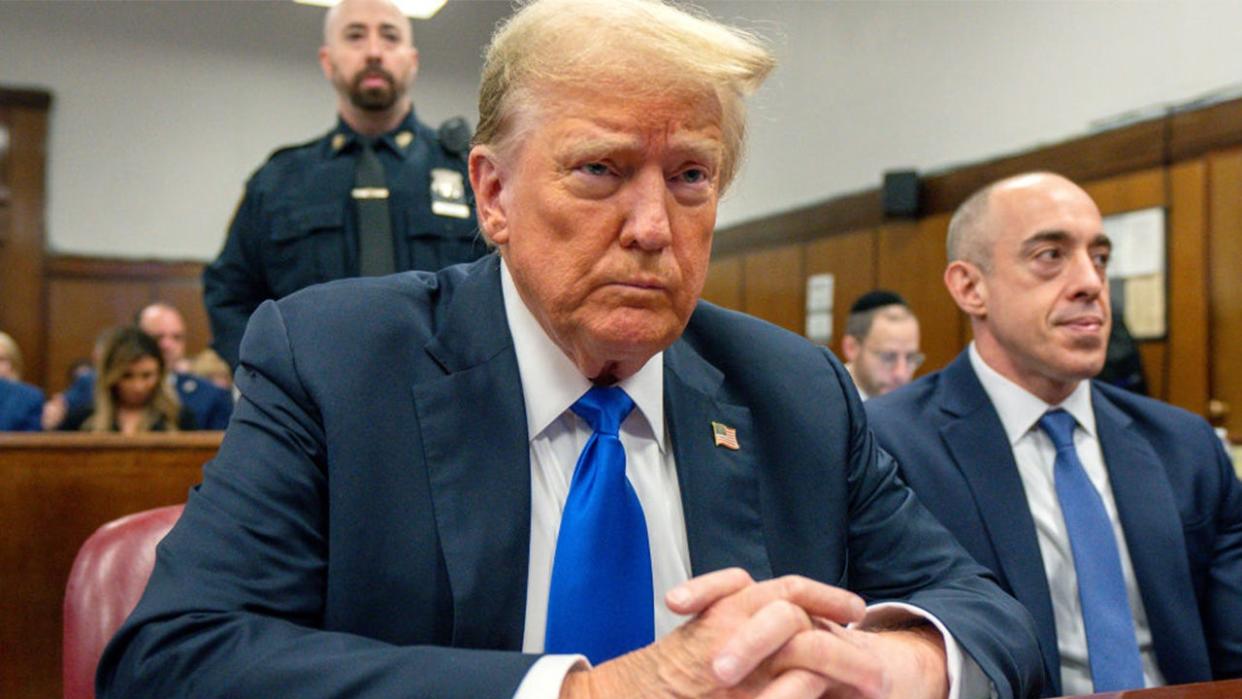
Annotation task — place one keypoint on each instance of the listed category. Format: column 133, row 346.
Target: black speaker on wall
column 901, row 194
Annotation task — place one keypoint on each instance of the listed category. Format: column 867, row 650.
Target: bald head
column 341, row 13
column 1029, row 261
column 972, row 230
column 166, row 326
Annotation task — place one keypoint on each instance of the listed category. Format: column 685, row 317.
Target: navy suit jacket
column 365, row 528
column 1178, row 499
column 21, row 407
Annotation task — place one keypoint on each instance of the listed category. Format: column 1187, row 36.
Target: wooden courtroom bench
column 57, row 489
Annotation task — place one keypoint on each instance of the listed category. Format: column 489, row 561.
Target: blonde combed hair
column 644, row 47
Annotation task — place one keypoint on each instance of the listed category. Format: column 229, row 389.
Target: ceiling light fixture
column 418, row 9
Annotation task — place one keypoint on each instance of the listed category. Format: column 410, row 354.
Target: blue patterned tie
column 600, row 602
column 1112, row 648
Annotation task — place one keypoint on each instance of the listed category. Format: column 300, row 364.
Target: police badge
column 448, row 193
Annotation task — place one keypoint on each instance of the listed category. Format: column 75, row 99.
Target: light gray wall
column 162, row 109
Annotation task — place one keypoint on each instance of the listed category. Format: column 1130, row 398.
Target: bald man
column 379, row 193
column 1116, row 519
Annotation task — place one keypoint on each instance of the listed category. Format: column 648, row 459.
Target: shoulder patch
column 296, row 146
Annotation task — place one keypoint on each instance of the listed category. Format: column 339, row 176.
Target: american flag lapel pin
column 724, row 436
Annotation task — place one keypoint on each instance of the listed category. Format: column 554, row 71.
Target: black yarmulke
column 876, row 299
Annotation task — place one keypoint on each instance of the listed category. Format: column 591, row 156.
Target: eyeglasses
column 914, row 360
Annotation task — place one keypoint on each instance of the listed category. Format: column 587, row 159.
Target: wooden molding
column 81, row 267
column 30, row 99
column 1146, row 144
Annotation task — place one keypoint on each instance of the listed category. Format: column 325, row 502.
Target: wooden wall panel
column 1155, row 368
column 78, row 311
column 911, row 261
column 22, row 233
column 1225, row 246
column 58, row 489
column 1185, row 368
column 1136, row 190
column 724, row 282
column 850, row 258
column 774, row 288
column 1142, row 189
column 87, row 296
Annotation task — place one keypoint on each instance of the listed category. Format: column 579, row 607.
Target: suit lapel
column 474, row 435
column 719, row 486
column 1153, row 534
column 976, row 438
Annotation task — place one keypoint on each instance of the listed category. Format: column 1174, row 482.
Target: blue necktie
column 600, row 600
column 1112, row 648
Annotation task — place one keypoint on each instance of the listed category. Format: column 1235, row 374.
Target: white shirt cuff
column 544, row 679
column 966, row 678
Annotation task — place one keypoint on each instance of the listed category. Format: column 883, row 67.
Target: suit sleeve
column 234, row 284
column 900, row 552
column 234, row 607
column 1223, row 614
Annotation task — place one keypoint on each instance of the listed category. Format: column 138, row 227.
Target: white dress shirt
column 1035, row 455
column 551, row 383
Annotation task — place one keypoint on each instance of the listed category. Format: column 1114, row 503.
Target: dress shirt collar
column 862, row 395
column 551, row 383
column 1020, row 410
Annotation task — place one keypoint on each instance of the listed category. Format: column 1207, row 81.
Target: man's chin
column 374, row 101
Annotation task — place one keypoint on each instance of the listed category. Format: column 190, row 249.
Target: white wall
column 162, row 109
column 866, row 87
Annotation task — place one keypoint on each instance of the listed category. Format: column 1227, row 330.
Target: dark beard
column 373, row 99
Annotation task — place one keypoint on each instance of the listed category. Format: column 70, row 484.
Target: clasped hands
column 776, row 639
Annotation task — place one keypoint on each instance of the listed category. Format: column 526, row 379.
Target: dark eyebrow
column 1053, row 236
column 1101, row 241
column 1061, row 237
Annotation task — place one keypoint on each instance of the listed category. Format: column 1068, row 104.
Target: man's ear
column 325, row 62
column 487, row 178
column 850, row 347
column 414, row 60
column 968, row 287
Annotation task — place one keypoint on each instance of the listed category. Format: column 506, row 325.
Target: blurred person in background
column 20, row 403
column 881, row 343
column 131, row 393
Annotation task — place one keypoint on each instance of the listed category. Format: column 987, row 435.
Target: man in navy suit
column 1027, row 261
column 385, row 515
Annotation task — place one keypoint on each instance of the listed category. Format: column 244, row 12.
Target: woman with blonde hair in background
column 131, row 395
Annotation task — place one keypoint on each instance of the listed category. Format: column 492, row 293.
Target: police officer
column 381, row 192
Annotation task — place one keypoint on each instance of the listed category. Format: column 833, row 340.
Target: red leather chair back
column 106, row 581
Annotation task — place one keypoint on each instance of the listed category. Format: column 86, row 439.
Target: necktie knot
column 604, row 408
column 1059, row 426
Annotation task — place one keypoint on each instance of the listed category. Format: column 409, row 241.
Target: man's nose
column 648, row 226
column 374, row 46
column 1087, row 278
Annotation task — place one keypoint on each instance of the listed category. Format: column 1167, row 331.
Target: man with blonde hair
column 556, row 472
